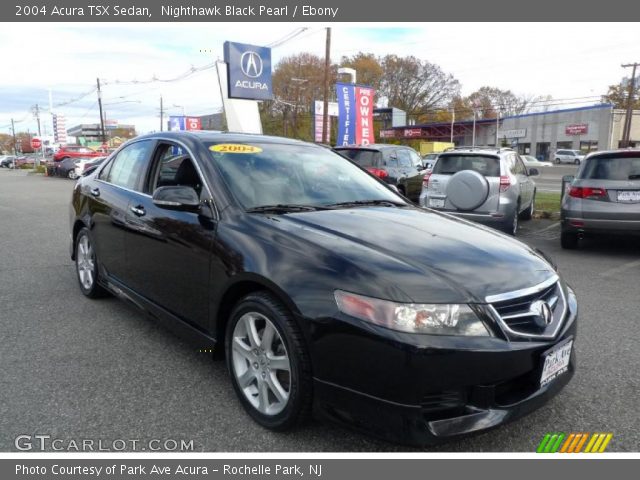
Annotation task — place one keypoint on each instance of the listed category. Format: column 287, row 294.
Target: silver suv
column 604, row 197
column 568, row 156
column 487, row 185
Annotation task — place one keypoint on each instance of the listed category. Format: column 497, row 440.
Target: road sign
column 36, row 143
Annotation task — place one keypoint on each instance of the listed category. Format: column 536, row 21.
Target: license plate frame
column 555, row 361
column 436, row 203
column 628, row 196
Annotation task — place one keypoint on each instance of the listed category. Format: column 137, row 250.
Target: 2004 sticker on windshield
column 234, row 148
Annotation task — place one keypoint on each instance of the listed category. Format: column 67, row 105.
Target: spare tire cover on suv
column 467, row 190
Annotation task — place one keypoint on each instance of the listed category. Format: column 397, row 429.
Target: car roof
column 217, row 136
column 624, row 152
column 372, row 146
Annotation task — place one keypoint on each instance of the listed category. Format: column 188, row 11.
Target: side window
column 173, row 167
column 415, row 159
column 404, row 159
column 128, row 167
column 520, row 168
column 511, row 163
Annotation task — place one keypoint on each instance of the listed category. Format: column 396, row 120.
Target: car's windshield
column 449, row 164
column 612, row 168
column 264, row 174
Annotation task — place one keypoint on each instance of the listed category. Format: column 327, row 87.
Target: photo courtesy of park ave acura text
column 259, row 227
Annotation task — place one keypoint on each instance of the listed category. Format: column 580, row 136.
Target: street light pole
column 15, row 145
column 473, row 136
column 102, row 130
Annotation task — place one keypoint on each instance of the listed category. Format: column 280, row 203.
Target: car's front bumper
column 433, row 389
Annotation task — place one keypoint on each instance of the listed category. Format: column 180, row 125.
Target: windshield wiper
column 285, row 208
column 384, row 203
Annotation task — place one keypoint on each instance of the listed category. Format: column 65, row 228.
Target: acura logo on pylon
column 251, row 64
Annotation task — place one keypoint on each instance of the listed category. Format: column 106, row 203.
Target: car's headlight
column 430, row 318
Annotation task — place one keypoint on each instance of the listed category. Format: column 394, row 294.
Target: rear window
column 612, row 168
column 364, row 158
column 485, row 165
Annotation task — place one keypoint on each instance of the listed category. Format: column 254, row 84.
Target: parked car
column 531, row 161
column 7, row 161
column 604, row 197
column 64, row 168
column 325, row 290
column 75, row 151
column 22, row 161
column 84, row 164
column 395, row 164
column 568, row 156
column 486, row 185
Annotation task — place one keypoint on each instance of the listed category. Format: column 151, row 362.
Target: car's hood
column 429, row 256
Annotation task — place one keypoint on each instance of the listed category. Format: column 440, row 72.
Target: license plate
column 556, row 362
column 436, row 202
column 629, row 195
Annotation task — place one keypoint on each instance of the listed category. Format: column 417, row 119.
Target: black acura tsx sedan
column 327, row 292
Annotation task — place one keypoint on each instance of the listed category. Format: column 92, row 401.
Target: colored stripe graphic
column 574, row 442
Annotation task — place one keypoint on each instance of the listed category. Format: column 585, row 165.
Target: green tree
column 617, row 96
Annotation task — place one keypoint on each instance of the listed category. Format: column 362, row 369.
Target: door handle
column 139, row 210
column 95, row 192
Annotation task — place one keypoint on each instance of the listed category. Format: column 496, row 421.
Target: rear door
column 109, row 196
column 414, row 176
column 524, row 181
column 614, row 181
column 449, row 164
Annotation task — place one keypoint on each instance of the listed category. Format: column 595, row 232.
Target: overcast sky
column 560, row 59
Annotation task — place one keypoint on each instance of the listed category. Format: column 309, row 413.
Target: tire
column 569, row 240
column 72, row 174
column 557, row 160
column 511, row 226
column 87, row 266
column 576, row 161
column 251, row 365
column 528, row 213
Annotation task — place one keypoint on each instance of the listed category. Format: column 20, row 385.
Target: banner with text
column 355, row 114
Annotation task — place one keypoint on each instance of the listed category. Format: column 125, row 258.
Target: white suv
column 569, row 156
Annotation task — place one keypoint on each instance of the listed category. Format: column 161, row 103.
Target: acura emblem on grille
column 541, row 311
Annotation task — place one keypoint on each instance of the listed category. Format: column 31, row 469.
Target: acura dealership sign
column 249, row 71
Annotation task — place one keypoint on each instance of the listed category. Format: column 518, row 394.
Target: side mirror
column 177, row 198
column 534, row 172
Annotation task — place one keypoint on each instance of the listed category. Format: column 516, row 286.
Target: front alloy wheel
column 268, row 363
column 72, row 174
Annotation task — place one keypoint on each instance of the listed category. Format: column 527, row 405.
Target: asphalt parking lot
column 74, row 368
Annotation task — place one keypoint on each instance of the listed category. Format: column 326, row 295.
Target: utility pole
column 161, row 115
column 102, row 130
column 453, row 121
column 626, row 132
column 36, row 113
column 15, row 145
column 325, row 103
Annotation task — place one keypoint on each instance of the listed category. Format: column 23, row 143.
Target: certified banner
column 355, row 114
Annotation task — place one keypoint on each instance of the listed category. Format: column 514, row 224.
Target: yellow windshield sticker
column 234, row 148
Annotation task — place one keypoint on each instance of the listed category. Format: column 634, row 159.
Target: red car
column 75, row 151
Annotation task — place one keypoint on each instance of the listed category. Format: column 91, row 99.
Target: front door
column 168, row 250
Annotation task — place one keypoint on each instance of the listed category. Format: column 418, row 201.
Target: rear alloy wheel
column 528, row 213
column 569, row 240
column 268, row 363
column 512, row 224
column 87, row 266
column 72, row 174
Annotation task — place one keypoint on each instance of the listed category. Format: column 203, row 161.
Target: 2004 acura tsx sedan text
column 328, row 292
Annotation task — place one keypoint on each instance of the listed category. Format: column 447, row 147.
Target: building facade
column 596, row 127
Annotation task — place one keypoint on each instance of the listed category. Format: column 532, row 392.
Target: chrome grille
column 521, row 313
